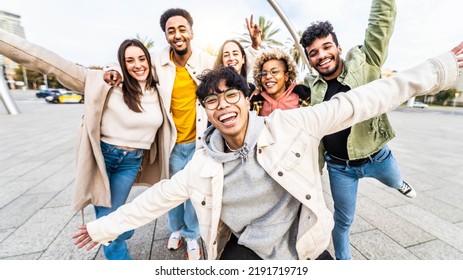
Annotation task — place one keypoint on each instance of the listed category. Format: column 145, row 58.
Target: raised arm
column 254, row 50
column 42, row 60
column 379, row 31
column 255, row 32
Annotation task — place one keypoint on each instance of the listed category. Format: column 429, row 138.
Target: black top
column 336, row 143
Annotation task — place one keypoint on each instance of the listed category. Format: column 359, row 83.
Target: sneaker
column 193, row 251
column 175, row 240
column 407, row 190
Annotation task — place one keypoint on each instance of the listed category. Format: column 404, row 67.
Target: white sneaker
column 193, row 251
column 175, row 240
column 407, row 190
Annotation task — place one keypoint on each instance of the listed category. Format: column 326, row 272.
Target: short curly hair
column 172, row 13
column 316, row 30
column 288, row 61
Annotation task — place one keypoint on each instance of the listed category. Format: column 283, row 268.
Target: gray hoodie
column 255, row 207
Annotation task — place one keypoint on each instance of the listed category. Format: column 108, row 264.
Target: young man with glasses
column 255, row 185
column 177, row 67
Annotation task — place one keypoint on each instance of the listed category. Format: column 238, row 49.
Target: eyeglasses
column 274, row 71
column 231, row 96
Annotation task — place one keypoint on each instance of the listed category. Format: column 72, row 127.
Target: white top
column 121, row 126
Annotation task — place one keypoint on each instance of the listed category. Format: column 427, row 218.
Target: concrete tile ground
column 37, row 177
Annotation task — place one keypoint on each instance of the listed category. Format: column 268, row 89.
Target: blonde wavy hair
column 278, row 55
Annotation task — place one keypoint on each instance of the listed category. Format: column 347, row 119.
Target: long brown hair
column 219, row 60
column 131, row 87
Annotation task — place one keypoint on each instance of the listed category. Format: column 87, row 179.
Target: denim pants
column 182, row 217
column 344, row 185
column 122, row 167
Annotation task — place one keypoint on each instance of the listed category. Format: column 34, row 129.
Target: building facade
column 11, row 23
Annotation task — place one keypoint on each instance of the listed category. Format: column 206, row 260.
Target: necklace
column 226, row 144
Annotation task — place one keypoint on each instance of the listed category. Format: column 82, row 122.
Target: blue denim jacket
column 363, row 65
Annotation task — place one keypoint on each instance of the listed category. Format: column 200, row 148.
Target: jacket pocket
column 297, row 162
column 314, row 233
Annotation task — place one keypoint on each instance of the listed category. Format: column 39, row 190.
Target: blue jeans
column 182, row 217
column 122, row 167
column 344, row 185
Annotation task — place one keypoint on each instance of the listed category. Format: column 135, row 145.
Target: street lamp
column 291, row 30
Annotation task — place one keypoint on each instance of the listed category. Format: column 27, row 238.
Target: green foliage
column 146, row 41
column 268, row 35
column 445, row 96
column 295, row 53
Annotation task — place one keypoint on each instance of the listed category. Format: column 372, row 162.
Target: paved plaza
column 37, row 150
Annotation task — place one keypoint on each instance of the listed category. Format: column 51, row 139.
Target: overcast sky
column 90, row 31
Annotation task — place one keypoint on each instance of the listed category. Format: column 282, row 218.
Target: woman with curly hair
column 275, row 78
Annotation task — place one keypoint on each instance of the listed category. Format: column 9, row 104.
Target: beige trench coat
column 92, row 184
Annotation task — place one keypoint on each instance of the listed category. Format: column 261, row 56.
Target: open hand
column 458, row 51
column 83, row 239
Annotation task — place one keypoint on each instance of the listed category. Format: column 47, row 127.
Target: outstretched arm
column 380, row 96
column 36, row 58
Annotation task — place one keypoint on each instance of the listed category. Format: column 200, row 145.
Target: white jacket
column 287, row 149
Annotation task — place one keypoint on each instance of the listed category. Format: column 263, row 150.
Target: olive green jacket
column 363, row 65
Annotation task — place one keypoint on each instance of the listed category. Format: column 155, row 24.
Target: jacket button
column 199, row 138
column 199, row 120
column 308, row 197
column 215, row 242
column 298, row 155
column 203, row 203
column 260, row 151
column 280, row 173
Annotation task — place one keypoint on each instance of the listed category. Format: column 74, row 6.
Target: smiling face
column 136, row 63
column 274, row 77
column 179, row 35
column 232, row 56
column 230, row 119
column 325, row 57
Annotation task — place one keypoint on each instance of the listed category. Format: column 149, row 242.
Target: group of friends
column 232, row 146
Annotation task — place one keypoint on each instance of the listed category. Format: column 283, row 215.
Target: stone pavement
column 37, row 180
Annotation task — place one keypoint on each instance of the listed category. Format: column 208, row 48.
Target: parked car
column 46, row 92
column 65, row 97
column 418, row 104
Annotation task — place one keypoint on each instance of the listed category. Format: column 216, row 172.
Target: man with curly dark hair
column 361, row 150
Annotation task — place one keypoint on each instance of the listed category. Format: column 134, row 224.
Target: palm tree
column 146, row 41
column 295, row 53
column 268, row 33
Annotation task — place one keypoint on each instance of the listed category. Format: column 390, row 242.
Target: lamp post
column 457, row 94
column 8, row 101
column 291, row 30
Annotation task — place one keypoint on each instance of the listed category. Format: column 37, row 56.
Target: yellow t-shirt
column 183, row 105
